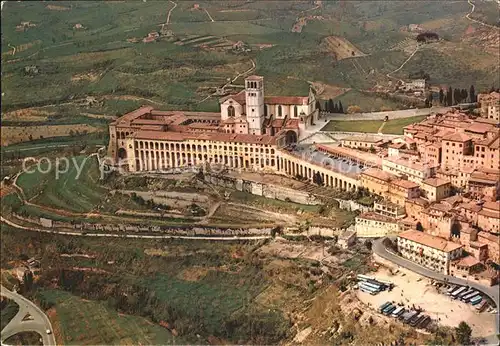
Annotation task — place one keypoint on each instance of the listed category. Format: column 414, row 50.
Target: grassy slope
column 8, row 312
column 86, row 322
column 70, row 191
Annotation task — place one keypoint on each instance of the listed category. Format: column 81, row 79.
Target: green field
column 394, row 126
column 98, row 60
column 73, row 190
column 9, row 310
column 84, row 322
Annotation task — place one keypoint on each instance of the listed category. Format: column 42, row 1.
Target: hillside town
column 436, row 187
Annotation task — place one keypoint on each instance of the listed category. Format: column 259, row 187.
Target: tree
column 456, row 96
column 464, row 95
column 472, row 94
column 449, row 96
column 335, row 107
column 318, row 105
column 441, row 96
column 463, row 333
column 420, row 228
column 330, row 106
column 368, row 245
column 326, row 107
column 341, row 109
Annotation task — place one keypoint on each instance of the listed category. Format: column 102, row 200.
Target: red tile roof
column 457, row 137
column 404, row 183
column 379, row 174
column 430, row 241
column 222, row 137
column 286, row 100
column 435, row 182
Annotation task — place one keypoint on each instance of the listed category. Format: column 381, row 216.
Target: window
column 280, row 111
column 230, row 111
column 295, row 111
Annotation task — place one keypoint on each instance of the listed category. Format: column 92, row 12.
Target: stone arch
column 122, row 153
column 290, row 137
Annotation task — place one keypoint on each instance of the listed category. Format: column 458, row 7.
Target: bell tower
column 254, row 99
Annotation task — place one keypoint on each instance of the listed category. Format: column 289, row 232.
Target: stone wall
column 352, row 205
column 260, row 189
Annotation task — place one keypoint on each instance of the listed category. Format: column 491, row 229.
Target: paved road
column 492, row 292
column 39, row 322
column 136, row 236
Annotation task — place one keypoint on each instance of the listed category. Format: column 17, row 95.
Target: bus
column 457, row 292
column 469, row 296
column 482, row 306
column 388, row 310
column 410, row 316
column 425, row 322
column 464, row 293
column 368, row 289
column 398, row 312
column 383, row 306
column 416, row 321
column 476, row 300
column 451, row 289
column 362, row 277
column 370, row 284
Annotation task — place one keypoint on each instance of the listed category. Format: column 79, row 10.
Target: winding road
column 38, row 322
column 475, row 20
column 492, row 292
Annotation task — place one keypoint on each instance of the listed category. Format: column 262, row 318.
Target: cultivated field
column 340, row 48
column 79, row 321
column 16, row 134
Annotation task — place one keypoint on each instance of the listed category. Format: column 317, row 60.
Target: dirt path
column 208, row 14
column 403, row 64
column 475, row 20
column 170, row 12
column 250, row 70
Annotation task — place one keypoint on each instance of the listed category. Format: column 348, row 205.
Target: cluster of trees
column 149, row 203
column 455, row 96
column 333, row 107
column 427, row 36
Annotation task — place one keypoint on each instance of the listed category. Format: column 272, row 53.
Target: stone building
column 490, row 105
column 430, row 251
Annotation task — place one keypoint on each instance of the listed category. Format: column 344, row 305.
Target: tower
column 254, row 99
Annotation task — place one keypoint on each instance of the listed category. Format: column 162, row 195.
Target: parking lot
column 414, row 291
column 342, row 165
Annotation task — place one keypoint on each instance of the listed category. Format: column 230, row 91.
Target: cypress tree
column 441, row 96
column 341, row 109
column 449, row 96
column 326, row 107
column 472, row 94
column 330, row 106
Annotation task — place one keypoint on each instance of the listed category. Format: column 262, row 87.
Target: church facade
column 250, row 132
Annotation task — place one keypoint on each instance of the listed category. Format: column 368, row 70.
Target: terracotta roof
column 125, row 119
column 367, row 138
column 430, row 241
column 351, row 153
column 254, row 77
column 479, row 128
column 440, row 207
column 467, row 261
column 416, row 165
column 221, row 137
column 379, row 174
column 404, row 183
column 286, row 100
column 457, row 137
column 490, row 214
column 419, row 201
column 490, row 237
column 435, row 182
column 397, row 145
column 470, row 206
column 239, row 97
column 495, row 206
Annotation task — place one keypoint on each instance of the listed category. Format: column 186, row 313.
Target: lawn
column 84, row 322
column 72, row 190
column 394, row 126
column 9, row 310
column 371, row 126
